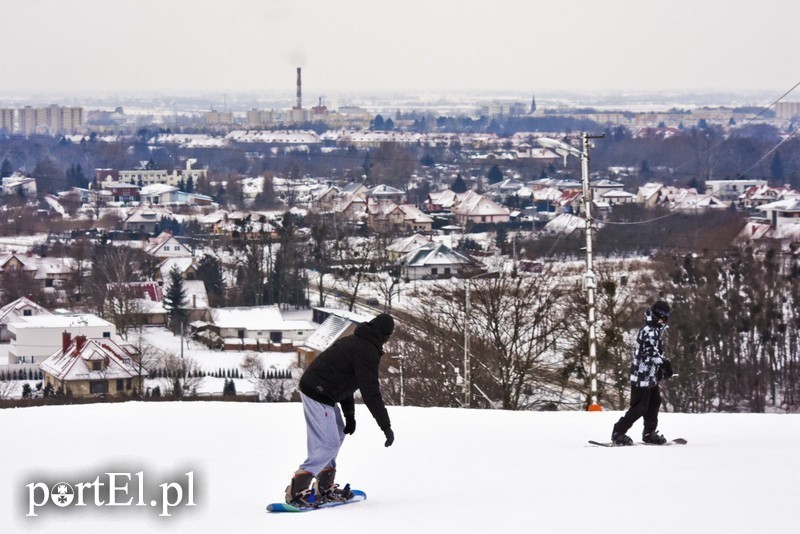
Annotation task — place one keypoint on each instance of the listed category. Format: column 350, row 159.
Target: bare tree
column 8, row 388
column 114, row 268
column 356, row 257
column 182, row 375
column 268, row 387
column 122, row 308
column 517, row 325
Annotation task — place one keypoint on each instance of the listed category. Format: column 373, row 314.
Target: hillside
column 449, row 470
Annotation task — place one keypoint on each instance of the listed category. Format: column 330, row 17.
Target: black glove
column 389, row 436
column 666, row 370
column 349, row 423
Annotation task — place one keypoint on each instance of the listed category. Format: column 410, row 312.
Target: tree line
column 733, row 338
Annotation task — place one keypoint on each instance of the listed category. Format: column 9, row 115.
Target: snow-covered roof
column 791, row 204
column 157, row 189
column 75, row 362
column 435, row 254
column 61, row 321
column 12, row 310
column 648, row 190
column 183, row 263
column 474, row 204
column 565, row 223
column 332, row 329
column 255, row 318
column 407, row 244
column 275, row 137
column 617, row 193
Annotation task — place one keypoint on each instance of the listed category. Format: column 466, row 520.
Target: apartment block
column 52, row 120
column 7, row 120
column 787, row 110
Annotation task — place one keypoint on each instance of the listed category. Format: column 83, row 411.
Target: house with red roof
column 86, row 367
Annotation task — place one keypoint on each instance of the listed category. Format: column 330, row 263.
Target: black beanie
column 661, row 310
column 383, row 323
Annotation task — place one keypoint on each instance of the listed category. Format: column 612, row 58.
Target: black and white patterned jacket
column 649, row 353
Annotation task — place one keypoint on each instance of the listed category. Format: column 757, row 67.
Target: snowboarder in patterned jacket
column 648, row 367
column 332, row 378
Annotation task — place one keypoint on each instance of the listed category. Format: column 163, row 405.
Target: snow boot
column 298, row 492
column 327, row 491
column 654, row 438
column 620, row 438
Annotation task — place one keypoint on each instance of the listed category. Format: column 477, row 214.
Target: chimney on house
column 299, row 90
column 80, row 341
column 66, row 340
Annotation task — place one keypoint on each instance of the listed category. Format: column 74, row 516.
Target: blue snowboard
column 358, row 496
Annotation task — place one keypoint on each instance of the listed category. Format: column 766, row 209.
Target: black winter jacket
column 349, row 364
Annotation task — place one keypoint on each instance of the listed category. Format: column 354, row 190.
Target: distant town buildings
column 52, row 120
column 787, row 110
column 144, row 176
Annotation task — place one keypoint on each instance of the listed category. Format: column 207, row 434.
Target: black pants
column 645, row 402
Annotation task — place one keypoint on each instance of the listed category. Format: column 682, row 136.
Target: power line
column 739, row 175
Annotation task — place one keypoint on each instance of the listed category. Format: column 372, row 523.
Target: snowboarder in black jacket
column 350, row 364
column 648, row 367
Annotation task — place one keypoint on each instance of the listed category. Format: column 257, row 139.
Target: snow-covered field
column 450, row 470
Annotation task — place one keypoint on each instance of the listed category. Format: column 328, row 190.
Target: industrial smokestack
column 299, row 90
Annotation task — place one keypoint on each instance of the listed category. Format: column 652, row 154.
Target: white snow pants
column 325, row 434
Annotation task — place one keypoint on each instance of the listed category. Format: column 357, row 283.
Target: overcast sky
column 527, row 46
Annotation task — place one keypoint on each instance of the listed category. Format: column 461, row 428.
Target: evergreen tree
column 6, row 169
column 777, row 173
column 190, row 185
column 175, row 299
column 209, row 271
column 75, row 177
column 459, row 185
column 495, row 175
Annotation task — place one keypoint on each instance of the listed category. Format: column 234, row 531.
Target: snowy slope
column 449, row 471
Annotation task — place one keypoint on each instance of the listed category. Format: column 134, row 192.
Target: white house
column 617, row 196
column 19, row 185
column 146, row 218
column 35, row 338
column 158, row 194
column 434, row 261
column 19, row 309
column 782, row 212
column 166, row 246
column 258, row 328
column 404, row 245
column 730, row 190
column 477, row 209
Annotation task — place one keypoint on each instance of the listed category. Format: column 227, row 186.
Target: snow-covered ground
column 449, row 470
column 208, row 359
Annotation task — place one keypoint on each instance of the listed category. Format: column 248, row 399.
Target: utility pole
column 565, row 149
column 590, row 281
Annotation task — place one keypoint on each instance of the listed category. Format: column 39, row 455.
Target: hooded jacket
column 349, row 364
column 648, row 355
